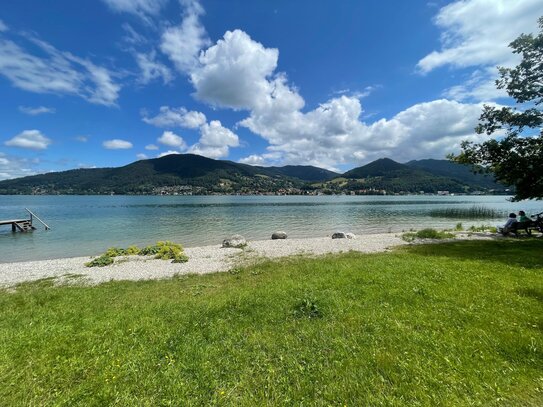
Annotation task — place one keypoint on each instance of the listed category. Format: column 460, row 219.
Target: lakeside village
column 189, row 190
column 195, row 190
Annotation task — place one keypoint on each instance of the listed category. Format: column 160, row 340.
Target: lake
column 88, row 225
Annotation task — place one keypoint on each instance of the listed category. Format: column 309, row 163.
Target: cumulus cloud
column 151, row 69
column 31, row 139
column 15, row 167
column 476, row 33
column 334, row 133
column 141, row 8
column 215, row 141
column 142, row 156
column 234, row 72
column 81, row 139
column 171, row 139
column 3, row 26
column 176, row 117
column 57, row 72
column 151, row 147
column 168, row 153
column 34, row 111
column 117, row 144
column 183, row 43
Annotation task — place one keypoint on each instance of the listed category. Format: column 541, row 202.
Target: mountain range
column 189, row 173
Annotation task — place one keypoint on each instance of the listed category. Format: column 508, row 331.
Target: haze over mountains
column 194, row 174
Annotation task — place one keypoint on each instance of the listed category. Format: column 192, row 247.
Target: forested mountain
column 171, row 174
column 189, row 173
column 456, row 171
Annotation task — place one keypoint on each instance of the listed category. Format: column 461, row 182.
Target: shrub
column 102, row 261
column 170, row 251
column 428, row 233
column 132, row 250
column 114, row 252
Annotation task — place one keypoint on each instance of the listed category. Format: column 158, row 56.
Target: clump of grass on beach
column 474, row 212
column 452, row 324
column 162, row 250
column 427, row 233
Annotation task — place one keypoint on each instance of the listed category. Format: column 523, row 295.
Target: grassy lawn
column 451, row 324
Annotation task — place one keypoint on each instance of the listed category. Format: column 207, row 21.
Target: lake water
column 88, row 225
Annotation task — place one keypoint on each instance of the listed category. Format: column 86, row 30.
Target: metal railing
column 32, row 215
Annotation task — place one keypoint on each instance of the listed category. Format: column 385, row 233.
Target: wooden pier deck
column 23, row 225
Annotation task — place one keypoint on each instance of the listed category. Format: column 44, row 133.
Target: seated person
column 522, row 218
column 505, row 229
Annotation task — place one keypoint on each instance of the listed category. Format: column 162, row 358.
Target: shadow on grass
column 523, row 253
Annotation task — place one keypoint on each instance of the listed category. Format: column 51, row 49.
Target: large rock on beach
column 279, row 235
column 339, row 235
column 236, row 241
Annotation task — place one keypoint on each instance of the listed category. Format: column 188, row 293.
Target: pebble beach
column 205, row 259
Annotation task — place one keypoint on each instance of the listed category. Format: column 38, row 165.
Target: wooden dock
column 24, row 225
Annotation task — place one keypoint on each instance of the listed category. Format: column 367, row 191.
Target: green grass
column 474, row 212
column 449, row 324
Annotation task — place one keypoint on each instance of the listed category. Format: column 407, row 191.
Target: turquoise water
column 87, row 225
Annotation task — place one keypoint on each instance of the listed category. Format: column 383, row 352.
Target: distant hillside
column 459, row 172
column 189, row 173
column 383, row 167
column 305, row 172
column 393, row 177
column 177, row 172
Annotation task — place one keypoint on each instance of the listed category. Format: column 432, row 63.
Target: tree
column 516, row 159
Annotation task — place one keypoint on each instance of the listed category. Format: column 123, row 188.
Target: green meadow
column 445, row 324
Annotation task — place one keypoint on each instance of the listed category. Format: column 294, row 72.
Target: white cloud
column 171, row 139
column 132, row 37
column 183, row 43
column 151, row 69
column 151, row 147
column 117, row 144
column 34, row 111
column 82, row 139
column 141, row 8
column 31, row 139
column 15, row 167
column 215, row 141
column 176, row 117
column 168, row 153
column 234, row 72
column 3, row 26
column 57, row 72
column 142, row 156
column 476, row 33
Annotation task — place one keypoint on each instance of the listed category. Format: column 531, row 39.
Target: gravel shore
column 206, row 259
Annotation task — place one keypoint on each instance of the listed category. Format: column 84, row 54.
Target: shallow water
column 87, row 225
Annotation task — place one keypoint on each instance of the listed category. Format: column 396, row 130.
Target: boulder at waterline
column 237, row 241
column 339, row 235
column 279, row 235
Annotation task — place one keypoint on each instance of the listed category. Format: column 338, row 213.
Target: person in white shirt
column 505, row 229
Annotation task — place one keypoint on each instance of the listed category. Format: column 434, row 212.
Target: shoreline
column 202, row 260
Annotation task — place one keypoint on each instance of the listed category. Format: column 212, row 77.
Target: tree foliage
column 516, row 158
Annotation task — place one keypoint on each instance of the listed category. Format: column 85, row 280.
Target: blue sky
column 335, row 84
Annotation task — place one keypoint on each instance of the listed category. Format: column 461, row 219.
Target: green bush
column 427, row 233
column 161, row 250
column 102, row 261
column 170, row 251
